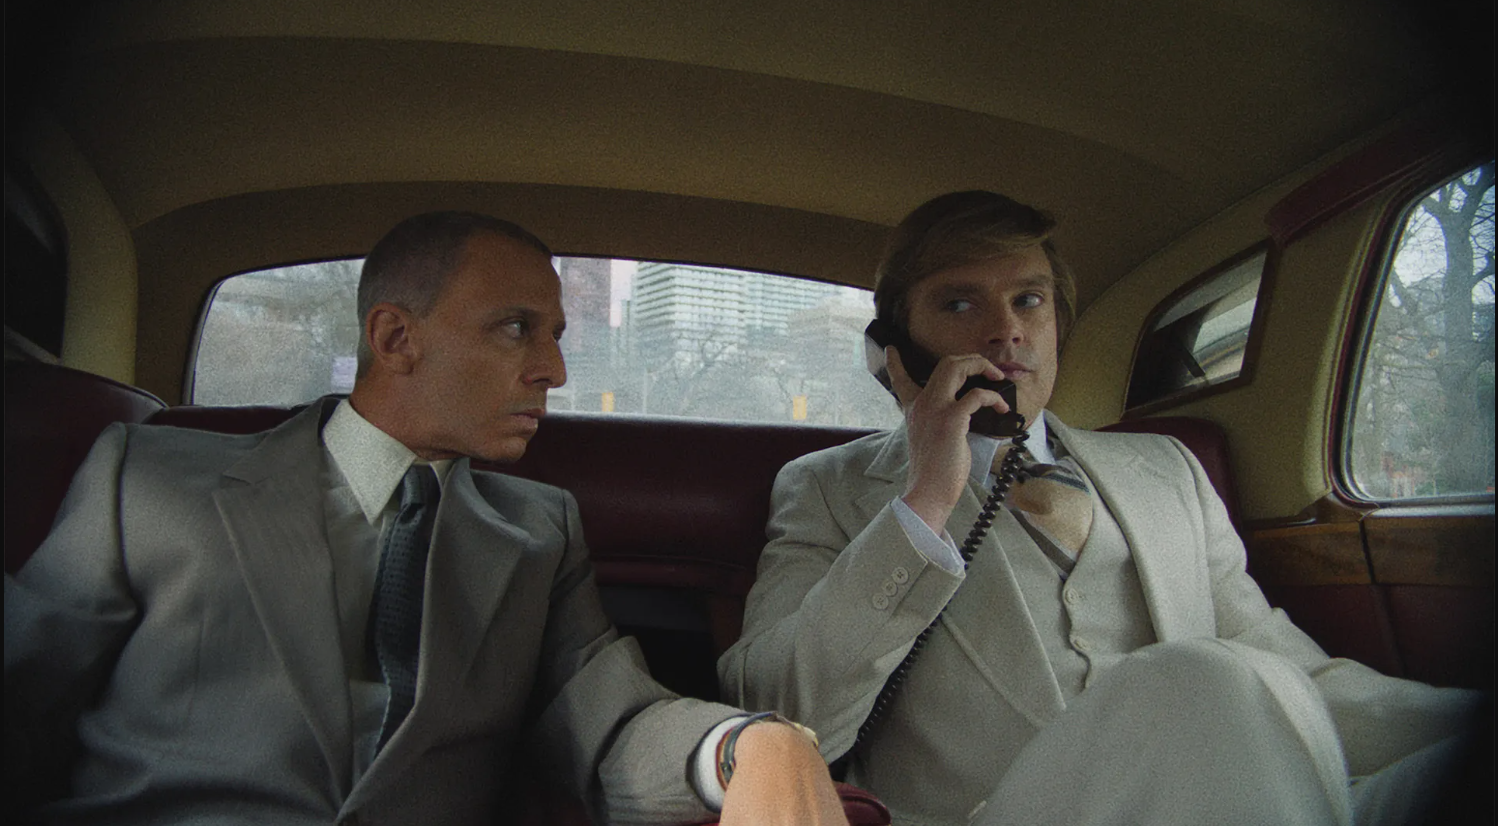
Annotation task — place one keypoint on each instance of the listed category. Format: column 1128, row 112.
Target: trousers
column 1205, row 731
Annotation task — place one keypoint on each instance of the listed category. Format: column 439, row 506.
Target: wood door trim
column 1335, row 543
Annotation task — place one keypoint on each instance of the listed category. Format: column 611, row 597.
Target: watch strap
column 726, row 757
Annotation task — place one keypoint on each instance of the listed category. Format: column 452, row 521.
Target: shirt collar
column 371, row 460
column 984, row 448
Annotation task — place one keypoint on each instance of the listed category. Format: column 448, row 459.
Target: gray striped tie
column 395, row 611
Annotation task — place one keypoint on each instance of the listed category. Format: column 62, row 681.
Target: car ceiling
column 814, row 125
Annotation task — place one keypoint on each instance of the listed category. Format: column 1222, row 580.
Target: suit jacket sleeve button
column 889, row 588
column 881, row 601
column 900, row 575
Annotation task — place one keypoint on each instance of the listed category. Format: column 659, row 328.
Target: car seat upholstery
column 673, row 510
column 666, row 503
column 52, row 417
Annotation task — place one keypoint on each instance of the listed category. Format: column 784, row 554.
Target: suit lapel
column 475, row 553
column 885, row 474
column 1151, row 511
column 271, row 505
column 988, row 618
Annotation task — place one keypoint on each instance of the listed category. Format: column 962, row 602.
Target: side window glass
column 642, row 337
column 1199, row 335
column 279, row 336
column 36, row 269
column 1422, row 422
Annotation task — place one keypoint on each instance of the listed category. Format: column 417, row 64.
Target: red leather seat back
column 688, row 489
column 240, row 420
column 1205, row 439
column 680, row 503
column 697, row 493
column 671, row 503
column 52, row 417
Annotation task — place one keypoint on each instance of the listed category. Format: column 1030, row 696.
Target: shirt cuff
column 938, row 549
column 705, row 764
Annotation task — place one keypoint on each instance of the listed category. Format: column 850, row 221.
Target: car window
column 36, row 268
column 280, row 336
column 1199, row 335
column 1422, row 422
column 642, row 337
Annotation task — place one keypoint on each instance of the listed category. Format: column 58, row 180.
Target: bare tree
column 1427, row 402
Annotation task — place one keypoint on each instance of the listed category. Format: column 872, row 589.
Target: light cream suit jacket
column 841, row 594
column 185, row 601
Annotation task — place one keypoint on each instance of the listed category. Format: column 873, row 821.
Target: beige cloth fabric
column 1197, row 731
column 1087, row 620
column 1211, row 732
column 820, row 636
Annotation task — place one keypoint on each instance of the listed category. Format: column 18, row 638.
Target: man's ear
column 389, row 330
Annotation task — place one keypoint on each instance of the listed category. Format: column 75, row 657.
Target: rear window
column 647, row 338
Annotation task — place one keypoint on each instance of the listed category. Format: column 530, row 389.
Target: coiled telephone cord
column 1010, row 471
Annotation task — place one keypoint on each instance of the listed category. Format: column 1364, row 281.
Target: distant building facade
column 693, row 312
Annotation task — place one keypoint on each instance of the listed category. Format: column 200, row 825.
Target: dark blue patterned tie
column 395, row 611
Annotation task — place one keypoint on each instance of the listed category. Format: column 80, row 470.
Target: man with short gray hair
column 341, row 620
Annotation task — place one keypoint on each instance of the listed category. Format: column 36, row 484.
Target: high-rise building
column 827, row 343
column 832, row 330
column 690, row 313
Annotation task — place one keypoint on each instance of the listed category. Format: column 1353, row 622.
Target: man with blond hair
column 1097, row 655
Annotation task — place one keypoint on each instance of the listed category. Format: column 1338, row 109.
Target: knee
column 1207, row 669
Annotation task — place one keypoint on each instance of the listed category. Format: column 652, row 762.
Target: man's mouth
column 530, row 417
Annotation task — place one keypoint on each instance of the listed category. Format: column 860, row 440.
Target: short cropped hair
column 962, row 228
column 410, row 265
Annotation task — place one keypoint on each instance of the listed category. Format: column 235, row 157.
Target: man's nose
column 1004, row 326
column 548, row 367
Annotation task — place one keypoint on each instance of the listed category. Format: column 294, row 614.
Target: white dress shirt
column 361, row 478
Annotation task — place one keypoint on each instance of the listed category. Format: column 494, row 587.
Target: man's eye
column 958, row 305
column 1029, row 300
column 516, row 328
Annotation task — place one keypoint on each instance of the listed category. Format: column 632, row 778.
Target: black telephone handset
column 919, row 364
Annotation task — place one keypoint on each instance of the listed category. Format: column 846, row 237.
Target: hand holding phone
column 940, row 459
column 919, row 365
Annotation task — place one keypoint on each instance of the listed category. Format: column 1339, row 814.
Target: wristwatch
column 726, row 760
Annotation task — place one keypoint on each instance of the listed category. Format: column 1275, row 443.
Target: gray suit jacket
column 183, row 608
column 822, row 632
